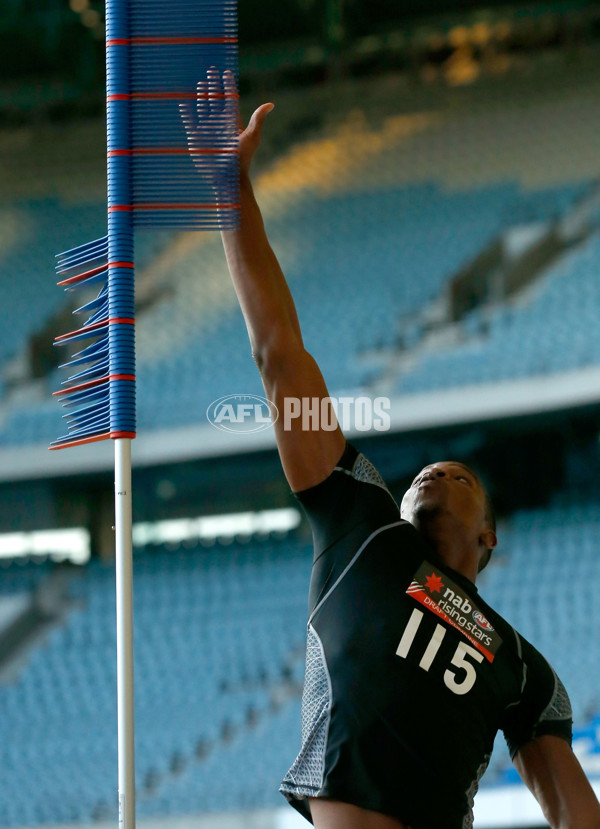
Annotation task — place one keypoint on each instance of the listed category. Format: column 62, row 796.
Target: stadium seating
column 28, row 292
column 384, row 256
column 215, row 631
column 554, row 332
column 371, row 215
column 21, row 575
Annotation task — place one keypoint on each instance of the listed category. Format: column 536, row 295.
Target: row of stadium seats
column 207, row 654
column 555, row 332
column 33, row 232
column 21, row 576
column 358, row 265
column 28, row 292
column 219, row 636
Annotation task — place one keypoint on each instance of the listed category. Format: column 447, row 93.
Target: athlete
column 410, row 674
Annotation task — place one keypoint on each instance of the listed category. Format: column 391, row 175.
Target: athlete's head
column 454, row 493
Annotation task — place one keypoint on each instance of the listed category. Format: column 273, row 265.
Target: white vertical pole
column 124, row 567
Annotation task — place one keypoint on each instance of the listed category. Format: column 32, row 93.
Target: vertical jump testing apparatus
column 158, row 177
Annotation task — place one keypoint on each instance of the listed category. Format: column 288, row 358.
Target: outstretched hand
column 215, row 121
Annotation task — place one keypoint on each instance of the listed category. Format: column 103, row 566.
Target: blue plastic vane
column 172, row 126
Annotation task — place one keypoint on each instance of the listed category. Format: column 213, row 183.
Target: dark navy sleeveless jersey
column 409, row 673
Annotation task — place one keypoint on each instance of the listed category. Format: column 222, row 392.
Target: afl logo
column 242, row 413
column 481, row 620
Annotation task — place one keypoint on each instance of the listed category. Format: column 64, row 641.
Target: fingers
column 186, row 112
column 251, row 137
column 214, row 91
column 232, row 111
column 202, row 107
column 258, row 118
column 217, row 97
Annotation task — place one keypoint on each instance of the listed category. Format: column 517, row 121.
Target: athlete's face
column 446, row 487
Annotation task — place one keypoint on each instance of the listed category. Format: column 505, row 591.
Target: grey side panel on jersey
column 305, row 777
column 365, row 472
column 472, row 791
column 559, row 707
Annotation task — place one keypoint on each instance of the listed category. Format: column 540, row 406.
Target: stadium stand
column 36, row 226
column 210, row 652
column 21, row 576
column 372, row 216
column 555, row 331
column 386, row 255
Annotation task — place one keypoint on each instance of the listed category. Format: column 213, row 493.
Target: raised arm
column 287, row 369
column 554, row 775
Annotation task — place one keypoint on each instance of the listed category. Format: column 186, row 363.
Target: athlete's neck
column 450, row 542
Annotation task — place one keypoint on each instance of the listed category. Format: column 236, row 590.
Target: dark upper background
column 47, row 63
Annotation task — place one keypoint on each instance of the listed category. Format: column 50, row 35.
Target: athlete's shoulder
column 517, row 642
column 542, row 707
column 515, row 649
column 349, row 505
column 360, row 468
column 354, row 481
column 539, row 667
column 538, row 673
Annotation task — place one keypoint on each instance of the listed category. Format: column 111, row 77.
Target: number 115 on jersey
column 457, row 683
